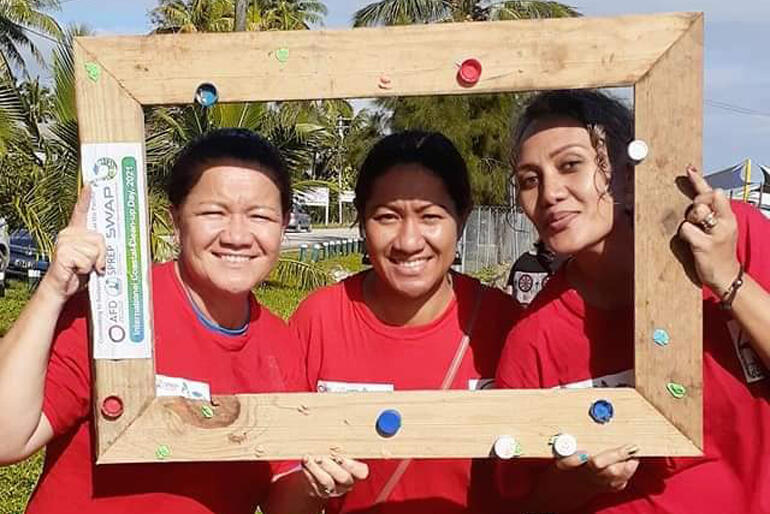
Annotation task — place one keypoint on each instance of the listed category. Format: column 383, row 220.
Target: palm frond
column 302, row 275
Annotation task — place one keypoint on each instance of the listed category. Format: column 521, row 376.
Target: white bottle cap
column 564, row 445
column 506, row 447
column 637, row 150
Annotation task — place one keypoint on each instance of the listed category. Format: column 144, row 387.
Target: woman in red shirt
column 409, row 322
column 574, row 181
column 230, row 194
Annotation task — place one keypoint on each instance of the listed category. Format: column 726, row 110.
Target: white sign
column 347, row 196
column 120, row 299
column 317, row 196
column 190, row 389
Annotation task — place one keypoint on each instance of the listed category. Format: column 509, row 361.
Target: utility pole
column 341, row 132
column 240, row 15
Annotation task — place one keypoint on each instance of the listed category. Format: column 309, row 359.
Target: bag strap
column 449, row 377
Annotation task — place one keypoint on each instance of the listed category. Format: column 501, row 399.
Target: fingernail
column 632, row 449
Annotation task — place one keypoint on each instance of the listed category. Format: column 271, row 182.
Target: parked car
column 5, row 251
column 26, row 260
column 299, row 219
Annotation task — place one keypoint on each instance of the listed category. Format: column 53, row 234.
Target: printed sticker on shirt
column 527, row 285
column 330, row 386
column 190, row 389
column 622, row 379
column 753, row 369
column 477, row 384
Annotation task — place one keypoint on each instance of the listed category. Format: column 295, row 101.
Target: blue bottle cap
column 388, row 423
column 660, row 337
column 601, row 411
column 206, row 95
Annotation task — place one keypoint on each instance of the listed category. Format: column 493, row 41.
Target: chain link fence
column 493, row 236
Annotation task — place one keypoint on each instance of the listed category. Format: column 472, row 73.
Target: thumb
column 80, row 211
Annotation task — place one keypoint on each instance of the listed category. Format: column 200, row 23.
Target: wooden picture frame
column 661, row 56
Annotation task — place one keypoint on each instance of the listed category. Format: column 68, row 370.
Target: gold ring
column 709, row 222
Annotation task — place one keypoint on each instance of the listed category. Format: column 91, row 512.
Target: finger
column 618, row 471
column 609, row 457
column 324, row 483
column 618, row 485
column 86, row 250
column 574, row 461
column 623, row 477
column 101, row 258
column 338, row 473
column 697, row 213
column 721, row 205
column 80, row 211
column 694, row 235
column 705, row 198
column 359, row 470
column 79, row 263
column 696, row 179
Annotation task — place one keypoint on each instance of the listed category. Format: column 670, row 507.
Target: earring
column 365, row 258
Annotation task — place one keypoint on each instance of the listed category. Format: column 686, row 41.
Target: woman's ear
column 175, row 223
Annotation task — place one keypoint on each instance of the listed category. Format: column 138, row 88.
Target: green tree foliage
column 405, row 12
column 479, row 127
column 478, row 124
column 219, row 15
column 17, row 18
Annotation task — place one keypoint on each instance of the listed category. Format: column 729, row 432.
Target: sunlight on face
column 561, row 188
column 230, row 228
column 411, row 226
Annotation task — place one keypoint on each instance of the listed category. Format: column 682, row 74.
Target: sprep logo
column 105, row 168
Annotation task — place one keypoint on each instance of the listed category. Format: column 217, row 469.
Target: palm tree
column 219, row 15
column 193, row 16
column 404, row 12
column 290, row 14
column 17, row 19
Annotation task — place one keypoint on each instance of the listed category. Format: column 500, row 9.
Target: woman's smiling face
column 411, row 226
column 561, row 187
column 230, row 227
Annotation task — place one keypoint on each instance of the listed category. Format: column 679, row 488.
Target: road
column 318, row 235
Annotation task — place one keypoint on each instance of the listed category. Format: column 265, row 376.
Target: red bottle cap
column 112, row 407
column 469, row 72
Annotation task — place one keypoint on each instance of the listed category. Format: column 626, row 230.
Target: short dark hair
column 608, row 121
column 221, row 145
column 432, row 150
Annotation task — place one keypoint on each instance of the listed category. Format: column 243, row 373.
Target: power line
column 736, row 109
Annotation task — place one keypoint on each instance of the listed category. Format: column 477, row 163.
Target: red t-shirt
column 349, row 349
column 265, row 358
column 564, row 342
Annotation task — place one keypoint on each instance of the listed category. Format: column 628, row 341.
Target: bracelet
column 729, row 296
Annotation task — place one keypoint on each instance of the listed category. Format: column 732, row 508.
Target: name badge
column 331, row 386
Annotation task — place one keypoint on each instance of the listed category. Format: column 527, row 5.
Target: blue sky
column 737, row 65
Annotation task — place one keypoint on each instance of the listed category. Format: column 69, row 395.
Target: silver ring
column 709, row 222
column 328, row 491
